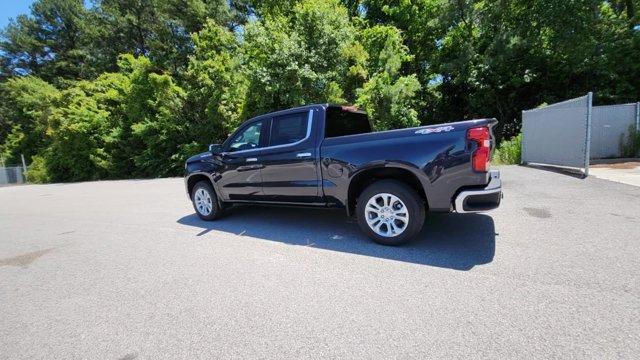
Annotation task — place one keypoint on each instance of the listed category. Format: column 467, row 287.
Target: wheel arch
column 362, row 179
column 194, row 178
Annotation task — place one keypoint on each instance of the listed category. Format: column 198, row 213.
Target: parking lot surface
column 626, row 172
column 125, row 270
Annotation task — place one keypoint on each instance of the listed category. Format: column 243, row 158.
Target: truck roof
column 349, row 108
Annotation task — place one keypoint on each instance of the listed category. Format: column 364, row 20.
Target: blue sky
column 12, row 8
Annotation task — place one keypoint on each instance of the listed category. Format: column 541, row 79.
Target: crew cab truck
column 327, row 156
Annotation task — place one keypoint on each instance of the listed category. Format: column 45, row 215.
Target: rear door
column 289, row 172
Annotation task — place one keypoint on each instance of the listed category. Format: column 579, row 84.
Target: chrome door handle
column 301, row 155
column 252, row 159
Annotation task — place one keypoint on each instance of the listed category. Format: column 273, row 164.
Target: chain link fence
column 12, row 175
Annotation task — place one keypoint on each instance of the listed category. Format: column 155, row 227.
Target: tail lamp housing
column 481, row 158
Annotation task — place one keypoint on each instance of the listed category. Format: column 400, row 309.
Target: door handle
column 252, row 159
column 303, row 155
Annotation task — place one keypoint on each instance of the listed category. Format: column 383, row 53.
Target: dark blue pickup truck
column 327, row 156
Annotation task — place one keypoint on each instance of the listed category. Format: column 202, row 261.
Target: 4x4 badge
column 435, row 130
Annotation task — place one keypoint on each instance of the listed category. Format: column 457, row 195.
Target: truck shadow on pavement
column 453, row 241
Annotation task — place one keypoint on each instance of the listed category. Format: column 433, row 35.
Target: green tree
column 215, row 83
column 160, row 29
column 153, row 107
column 28, row 103
column 80, row 129
column 110, row 92
column 53, row 43
column 388, row 97
column 298, row 59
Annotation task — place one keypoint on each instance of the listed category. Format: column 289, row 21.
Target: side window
column 247, row 139
column 289, row 129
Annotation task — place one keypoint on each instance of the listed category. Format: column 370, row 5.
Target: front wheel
column 390, row 212
column 205, row 202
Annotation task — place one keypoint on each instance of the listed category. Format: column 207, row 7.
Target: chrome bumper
column 478, row 200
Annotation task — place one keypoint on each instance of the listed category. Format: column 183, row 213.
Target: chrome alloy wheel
column 386, row 215
column 203, row 202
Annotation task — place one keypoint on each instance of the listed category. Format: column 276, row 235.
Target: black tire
column 407, row 196
column 216, row 211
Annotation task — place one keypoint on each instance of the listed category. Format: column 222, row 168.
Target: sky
column 12, row 8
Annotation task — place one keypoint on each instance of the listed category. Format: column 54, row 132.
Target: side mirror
column 215, row 149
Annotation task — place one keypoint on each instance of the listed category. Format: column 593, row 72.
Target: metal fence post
column 523, row 139
column 587, row 150
column 638, row 116
column 24, row 167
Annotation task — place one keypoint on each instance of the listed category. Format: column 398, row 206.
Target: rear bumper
column 483, row 199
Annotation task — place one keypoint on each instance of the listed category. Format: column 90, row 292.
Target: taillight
column 481, row 156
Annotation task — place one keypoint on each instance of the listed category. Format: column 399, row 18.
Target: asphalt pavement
column 125, row 270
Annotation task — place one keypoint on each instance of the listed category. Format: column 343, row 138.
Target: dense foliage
column 509, row 151
column 129, row 88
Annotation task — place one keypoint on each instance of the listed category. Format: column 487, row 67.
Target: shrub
column 509, row 151
column 37, row 172
column 631, row 145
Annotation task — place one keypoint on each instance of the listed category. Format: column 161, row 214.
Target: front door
column 290, row 168
column 240, row 177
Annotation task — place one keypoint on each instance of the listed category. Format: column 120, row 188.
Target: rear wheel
column 205, row 202
column 390, row 212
